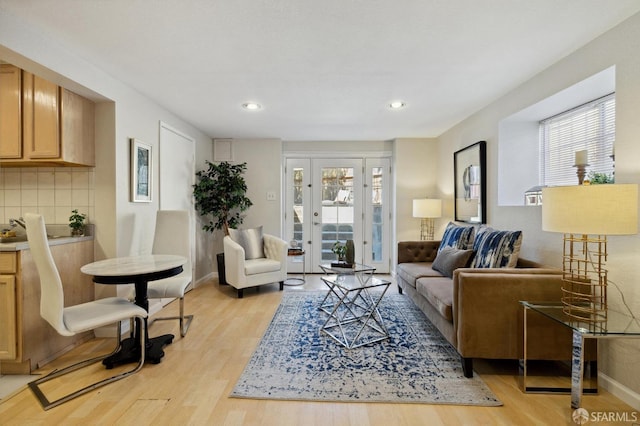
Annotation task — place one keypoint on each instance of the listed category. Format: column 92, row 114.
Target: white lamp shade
column 609, row 209
column 427, row 207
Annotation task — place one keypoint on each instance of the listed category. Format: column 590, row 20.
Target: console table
column 617, row 326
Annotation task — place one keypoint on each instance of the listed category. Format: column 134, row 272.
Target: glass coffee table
column 617, row 325
column 354, row 319
column 361, row 272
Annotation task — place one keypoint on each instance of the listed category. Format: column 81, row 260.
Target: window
column 588, row 127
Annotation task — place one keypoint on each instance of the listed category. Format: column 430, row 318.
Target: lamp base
column 426, row 229
column 584, row 289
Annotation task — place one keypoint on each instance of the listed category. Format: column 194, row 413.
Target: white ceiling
column 322, row 69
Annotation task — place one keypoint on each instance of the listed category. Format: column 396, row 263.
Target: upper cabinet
column 10, row 112
column 46, row 124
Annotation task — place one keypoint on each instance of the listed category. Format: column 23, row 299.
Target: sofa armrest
column 488, row 318
column 234, row 263
column 417, row 251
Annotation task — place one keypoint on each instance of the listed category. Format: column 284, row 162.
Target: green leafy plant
column 76, row 222
column 599, row 178
column 339, row 249
column 221, row 194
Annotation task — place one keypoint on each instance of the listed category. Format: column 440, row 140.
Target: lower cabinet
column 35, row 342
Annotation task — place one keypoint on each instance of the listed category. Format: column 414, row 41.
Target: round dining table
column 136, row 270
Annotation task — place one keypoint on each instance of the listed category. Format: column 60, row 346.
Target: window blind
column 588, row 127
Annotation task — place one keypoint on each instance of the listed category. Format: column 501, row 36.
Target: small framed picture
column 140, row 171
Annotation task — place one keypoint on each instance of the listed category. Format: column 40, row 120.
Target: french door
column 330, row 200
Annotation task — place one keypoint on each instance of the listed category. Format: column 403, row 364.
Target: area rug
column 295, row 361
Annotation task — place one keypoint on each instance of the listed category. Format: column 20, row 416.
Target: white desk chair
column 73, row 319
column 173, row 236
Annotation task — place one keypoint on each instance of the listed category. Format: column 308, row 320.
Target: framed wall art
column 141, row 168
column 470, row 172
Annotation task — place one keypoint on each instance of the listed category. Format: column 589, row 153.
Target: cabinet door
column 78, row 116
column 8, row 343
column 41, row 117
column 10, row 112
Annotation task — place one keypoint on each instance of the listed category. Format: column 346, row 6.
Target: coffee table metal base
column 354, row 320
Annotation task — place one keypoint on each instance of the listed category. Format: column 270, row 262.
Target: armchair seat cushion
column 261, row 265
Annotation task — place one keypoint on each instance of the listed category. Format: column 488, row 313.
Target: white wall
column 619, row 47
column 416, row 174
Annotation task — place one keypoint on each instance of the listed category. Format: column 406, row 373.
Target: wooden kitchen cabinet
column 10, row 111
column 36, row 342
column 56, row 125
column 8, row 318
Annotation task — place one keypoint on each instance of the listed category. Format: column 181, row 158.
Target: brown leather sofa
column 478, row 310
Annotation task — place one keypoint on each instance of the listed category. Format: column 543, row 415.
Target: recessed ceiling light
column 397, row 105
column 251, row 106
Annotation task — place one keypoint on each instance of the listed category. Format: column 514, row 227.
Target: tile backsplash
column 50, row 191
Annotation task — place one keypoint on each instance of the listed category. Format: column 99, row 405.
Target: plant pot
column 77, row 232
column 222, row 279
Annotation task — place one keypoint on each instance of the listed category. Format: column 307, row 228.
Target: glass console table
column 616, row 326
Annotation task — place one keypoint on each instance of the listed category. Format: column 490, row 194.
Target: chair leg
column 240, row 293
column 44, row 401
column 281, row 285
column 185, row 320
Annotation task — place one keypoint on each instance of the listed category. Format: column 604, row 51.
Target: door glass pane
column 377, row 219
column 337, row 208
column 298, row 205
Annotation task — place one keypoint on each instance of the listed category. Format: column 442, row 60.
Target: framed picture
column 470, row 172
column 140, row 171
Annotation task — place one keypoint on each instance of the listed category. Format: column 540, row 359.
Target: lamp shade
column 427, row 207
column 610, row 209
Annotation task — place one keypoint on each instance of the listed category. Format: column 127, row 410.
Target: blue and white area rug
column 295, row 361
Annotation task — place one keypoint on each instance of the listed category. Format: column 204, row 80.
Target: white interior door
column 177, row 175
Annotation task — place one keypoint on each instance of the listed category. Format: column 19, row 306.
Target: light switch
column 271, row 195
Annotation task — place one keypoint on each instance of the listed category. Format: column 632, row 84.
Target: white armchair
column 242, row 273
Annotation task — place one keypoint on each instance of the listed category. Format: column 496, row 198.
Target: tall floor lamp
column 586, row 215
column 427, row 209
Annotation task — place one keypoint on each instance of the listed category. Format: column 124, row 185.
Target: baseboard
column 211, row 276
column 619, row 390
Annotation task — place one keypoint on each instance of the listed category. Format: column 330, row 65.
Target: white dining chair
column 173, row 236
column 71, row 320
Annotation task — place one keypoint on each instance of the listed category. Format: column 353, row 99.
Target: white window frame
column 590, row 127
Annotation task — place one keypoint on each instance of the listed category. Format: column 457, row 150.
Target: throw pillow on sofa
column 449, row 259
column 250, row 240
column 457, row 236
column 496, row 249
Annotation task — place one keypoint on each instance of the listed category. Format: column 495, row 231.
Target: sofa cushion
column 261, row 266
column 250, row 240
column 450, row 259
column 439, row 293
column 457, row 236
column 496, row 249
column 410, row 272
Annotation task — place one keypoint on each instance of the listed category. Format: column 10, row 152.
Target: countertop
column 59, row 231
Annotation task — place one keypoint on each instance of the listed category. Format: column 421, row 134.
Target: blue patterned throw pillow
column 456, row 236
column 496, row 249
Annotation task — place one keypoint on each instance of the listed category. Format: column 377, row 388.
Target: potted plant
column 220, row 195
column 76, row 223
column 340, row 250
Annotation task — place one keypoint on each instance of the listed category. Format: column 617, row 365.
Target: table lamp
column 586, row 215
column 427, row 209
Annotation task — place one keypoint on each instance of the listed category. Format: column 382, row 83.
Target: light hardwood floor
column 192, row 383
